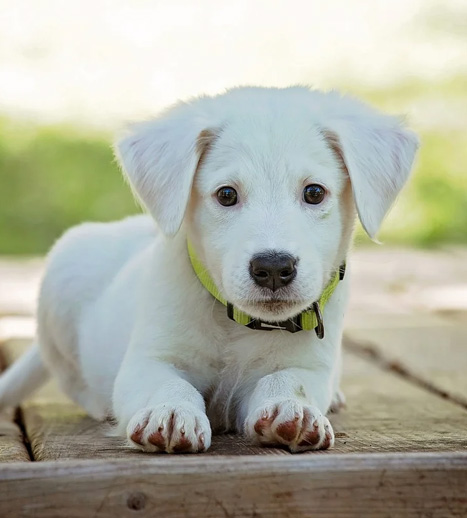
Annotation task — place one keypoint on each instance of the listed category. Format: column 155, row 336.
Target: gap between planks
column 370, row 352
column 14, row 443
column 19, row 421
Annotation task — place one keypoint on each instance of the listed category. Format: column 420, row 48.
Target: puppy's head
column 267, row 182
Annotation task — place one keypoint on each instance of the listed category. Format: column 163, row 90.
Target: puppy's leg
column 338, row 398
column 160, row 410
column 338, row 402
column 288, row 407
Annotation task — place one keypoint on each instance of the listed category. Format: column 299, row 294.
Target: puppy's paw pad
column 328, row 439
column 277, row 421
column 316, row 434
column 157, row 439
column 288, row 430
column 137, row 427
column 172, row 429
column 311, row 436
column 262, row 425
column 292, row 424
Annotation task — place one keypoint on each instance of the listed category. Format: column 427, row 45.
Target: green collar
column 308, row 320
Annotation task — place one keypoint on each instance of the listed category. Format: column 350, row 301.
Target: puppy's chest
column 206, row 356
column 221, row 361
column 246, row 353
column 248, row 356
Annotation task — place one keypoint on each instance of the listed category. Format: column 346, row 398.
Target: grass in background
column 433, row 208
column 54, row 177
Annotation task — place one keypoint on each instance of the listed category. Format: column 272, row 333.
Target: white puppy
column 264, row 185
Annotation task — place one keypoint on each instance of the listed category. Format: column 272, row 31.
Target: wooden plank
column 428, row 347
column 402, row 485
column 12, row 445
column 385, row 414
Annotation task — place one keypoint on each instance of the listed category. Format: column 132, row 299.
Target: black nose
column 273, row 270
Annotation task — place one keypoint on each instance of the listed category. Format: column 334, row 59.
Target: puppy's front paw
column 173, row 429
column 292, row 424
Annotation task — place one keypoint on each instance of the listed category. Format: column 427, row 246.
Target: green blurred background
column 58, row 171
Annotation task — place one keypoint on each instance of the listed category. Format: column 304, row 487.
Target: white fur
column 128, row 330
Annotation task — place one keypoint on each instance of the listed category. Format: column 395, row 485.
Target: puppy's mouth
column 271, row 303
column 275, row 309
column 270, row 306
column 277, row 305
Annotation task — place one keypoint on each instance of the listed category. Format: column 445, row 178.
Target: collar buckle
column 319, row 329
column 342, row 271
column 292, row 325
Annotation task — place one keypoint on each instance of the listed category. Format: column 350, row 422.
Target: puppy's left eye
column 314, row 193
column 227, row 196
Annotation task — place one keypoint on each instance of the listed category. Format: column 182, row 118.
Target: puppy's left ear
column 377, row 152
column 160, row 158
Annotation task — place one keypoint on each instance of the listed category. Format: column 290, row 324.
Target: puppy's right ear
column 160, row 158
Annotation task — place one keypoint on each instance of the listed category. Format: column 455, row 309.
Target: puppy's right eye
column 227, row 196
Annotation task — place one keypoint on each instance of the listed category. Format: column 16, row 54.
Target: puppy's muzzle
column 273, row 270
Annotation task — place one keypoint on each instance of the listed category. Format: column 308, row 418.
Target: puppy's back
column 85, row 260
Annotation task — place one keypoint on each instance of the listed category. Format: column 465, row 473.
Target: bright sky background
column 106, row 61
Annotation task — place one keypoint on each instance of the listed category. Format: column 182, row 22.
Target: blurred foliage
column 53, row 177
column 433, row 208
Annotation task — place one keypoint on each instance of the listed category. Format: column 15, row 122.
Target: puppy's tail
column 23, row 377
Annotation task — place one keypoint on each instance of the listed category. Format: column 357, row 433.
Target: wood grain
column 402, row 485
column 12, row 446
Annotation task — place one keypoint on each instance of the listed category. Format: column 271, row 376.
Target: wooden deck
column 401, row 444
